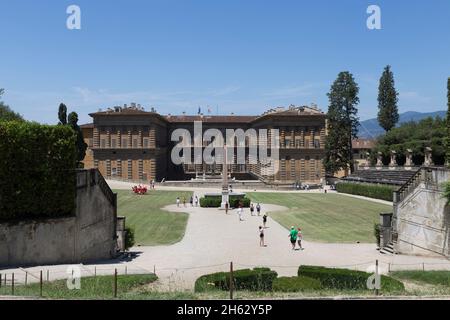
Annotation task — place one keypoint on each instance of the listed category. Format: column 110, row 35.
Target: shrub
column 343, row 279
column 129, row 238
column 376, row 191
column 377, row 233
column 258, row 279
column 216, row 201
column 296, row 284
column 37, row 171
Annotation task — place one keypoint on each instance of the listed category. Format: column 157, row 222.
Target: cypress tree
column 387, row 100
column 81, row 145
column 62, row 114
column 342, row 123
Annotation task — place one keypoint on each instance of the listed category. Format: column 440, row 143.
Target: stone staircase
column 383, row 176
column 389, row 249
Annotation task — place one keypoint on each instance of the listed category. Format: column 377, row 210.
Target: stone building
column 133, row 144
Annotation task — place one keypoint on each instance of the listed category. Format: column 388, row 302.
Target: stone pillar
column 393, row 163
column 408, row 162
column 379, row 161
column 108, row 139
column 311, row 141
column 119, row 139
column 428, row 159
column 96, row 138
column 292, row 138
column 302, row 138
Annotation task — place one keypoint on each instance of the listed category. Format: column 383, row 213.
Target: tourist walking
column 252, row 209
column 191, row 201
column 178, row 201
column 226, row 207
column 240, row 213
column 299, row 238
column 293, row 236
column 258, row 209
column 261, row 237
column 265, row 220
column 196, row 201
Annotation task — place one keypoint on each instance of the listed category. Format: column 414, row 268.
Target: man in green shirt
column 293, row 236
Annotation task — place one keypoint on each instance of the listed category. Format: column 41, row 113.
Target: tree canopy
column 387, row 100
column 415, row 136
column 6, row 113
column 342, row 122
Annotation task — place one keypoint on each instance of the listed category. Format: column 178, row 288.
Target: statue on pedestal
column 428, row 158
column 408, row 162
column 393, row 163
column 379, row 160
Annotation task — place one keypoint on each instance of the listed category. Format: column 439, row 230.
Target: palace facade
column 133, row 144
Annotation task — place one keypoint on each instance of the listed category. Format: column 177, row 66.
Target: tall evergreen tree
column 447, row 155
column 81, row 145
column 6, row 113
column 342, row 122
column 62, row 114
column 387, row 100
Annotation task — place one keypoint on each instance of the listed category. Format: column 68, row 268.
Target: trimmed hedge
column 376, row 191
column 258, row 279
column 37, row 171
column 296, row 284
column 216, row 201
column 342, row 279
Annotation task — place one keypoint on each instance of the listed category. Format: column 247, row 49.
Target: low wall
column 87, row 236
column 422, row 218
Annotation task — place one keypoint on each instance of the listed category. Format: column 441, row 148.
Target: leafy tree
column 81, row 145
column 447, row 140
column 6, row 113
column 387, row 100
column 343, row 123
column 62, row 114
column 416, row 136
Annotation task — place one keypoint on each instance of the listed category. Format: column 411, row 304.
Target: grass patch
column 296, row 284
column 152, row 225
column 326, row 218
column 100, row 287
column 429, row 277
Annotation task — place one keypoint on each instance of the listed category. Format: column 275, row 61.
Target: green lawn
column 326, row 217
column 152, row 225
column 101, row 287
column 429, row 277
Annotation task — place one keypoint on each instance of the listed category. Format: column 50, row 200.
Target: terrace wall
column 88, row 235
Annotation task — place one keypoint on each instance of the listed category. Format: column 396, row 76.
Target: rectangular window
column 114, row 171
column 134, row 143
column 124, row 143
column 145, row 143
column 317, row 143
column 103, row 143
column 113, row 143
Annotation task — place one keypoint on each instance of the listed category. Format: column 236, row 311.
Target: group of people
column 296, row 237
column 193, row 201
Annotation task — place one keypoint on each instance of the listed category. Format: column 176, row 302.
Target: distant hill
column 371, row 129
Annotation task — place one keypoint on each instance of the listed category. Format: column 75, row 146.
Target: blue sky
column 235, row 56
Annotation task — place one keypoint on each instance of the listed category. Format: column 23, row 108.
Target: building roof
column 87, row 126
column 211, row 119
column 363, row 144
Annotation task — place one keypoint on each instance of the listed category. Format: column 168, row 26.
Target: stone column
column 96, row 138
column 108, row 138
column 428, row 158
column 119, row 139
column 292, row 138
